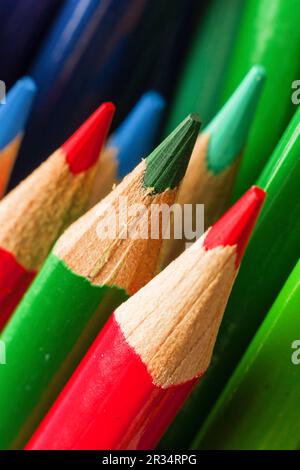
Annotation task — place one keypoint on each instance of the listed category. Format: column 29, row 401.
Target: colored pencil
column 13, row 118
column 85, row 278
column 261, row 399
column 269, row 35
column 271, row 255
column 202, row 77
column 133, row 139
column 154, row 348
column 214, row 163
column 24, row 24
column 79, row 62
column 34, row 214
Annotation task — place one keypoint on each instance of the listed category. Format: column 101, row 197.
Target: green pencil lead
column 166, row 165
column 230, row 127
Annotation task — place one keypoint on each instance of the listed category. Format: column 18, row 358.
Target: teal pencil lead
column 229, row 129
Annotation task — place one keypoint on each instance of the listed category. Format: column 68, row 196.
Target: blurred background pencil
column 36, row 212
column 154, row 348
column 93, row 268
column 258, row 408
column 269, row 35
column 273, row 251
column 158, row 58
column 214, row 163
column 133, row 140
column 201, row 80
column 13, row 119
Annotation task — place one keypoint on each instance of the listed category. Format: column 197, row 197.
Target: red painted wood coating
column 110, row 402
column 83, row 148
column 14, row 281
column 236, row 225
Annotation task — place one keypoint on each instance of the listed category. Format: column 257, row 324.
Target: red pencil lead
column 236, row 225
column 84, row 146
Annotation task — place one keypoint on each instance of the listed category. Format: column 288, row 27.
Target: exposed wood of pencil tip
column 118, row 260
column 172, row 322
column 36, row 212
column 7, row 160
column 106, row 175
column 201, row 186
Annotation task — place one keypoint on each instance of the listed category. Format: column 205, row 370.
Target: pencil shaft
column 261, row 397
column 43, row 354
column 132, row 396
column 278, row 52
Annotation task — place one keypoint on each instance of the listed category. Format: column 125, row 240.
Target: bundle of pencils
column 36, row 212
column 113, row 333
column 13, row 117
column 88, row 274
column 154, row 348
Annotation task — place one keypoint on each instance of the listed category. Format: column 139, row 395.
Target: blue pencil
column 13, row 118
column 77, row 67
column 133, row 140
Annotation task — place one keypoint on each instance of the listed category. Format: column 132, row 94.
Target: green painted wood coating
column 45, row 339
column 269, row 35
column 271, row 254
column 259, row 408
column 166, row 165
column 229, row 129
column 202, row 79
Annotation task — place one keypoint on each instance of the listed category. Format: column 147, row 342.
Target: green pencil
column 272, row 253
column 87, row 275
column 259, row 408
column 269, row 35
column 201, row 82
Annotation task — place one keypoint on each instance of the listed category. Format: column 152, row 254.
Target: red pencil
column 36, row 212
column 154, row 348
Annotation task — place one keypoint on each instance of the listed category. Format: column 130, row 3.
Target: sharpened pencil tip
column 15, row 111
column 236, row 225
column 83, row 148
column 166, row 165
column 229, row 129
